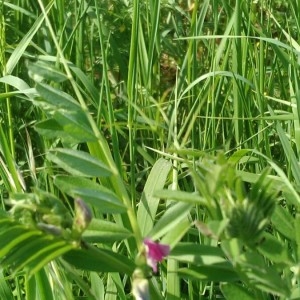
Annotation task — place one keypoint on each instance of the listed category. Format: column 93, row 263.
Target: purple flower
column 155, row 252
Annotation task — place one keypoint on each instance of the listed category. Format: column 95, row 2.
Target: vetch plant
column 115, row 123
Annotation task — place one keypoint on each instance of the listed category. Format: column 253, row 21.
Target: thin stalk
column 154, row 39
column 9, row 126
column 13, row 176
column 7, row 106
column 79, row 37
column 61, row 20
column 237, row 67
column 192, row 54
column 132, row 95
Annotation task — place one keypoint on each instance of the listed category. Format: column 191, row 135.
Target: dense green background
column 174, row 120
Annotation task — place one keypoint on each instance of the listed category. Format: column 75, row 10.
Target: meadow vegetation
column 149, row 149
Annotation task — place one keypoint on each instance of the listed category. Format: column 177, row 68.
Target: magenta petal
column 152, row 264
column 155, row 252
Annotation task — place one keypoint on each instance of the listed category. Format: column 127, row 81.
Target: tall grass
column 177, row 121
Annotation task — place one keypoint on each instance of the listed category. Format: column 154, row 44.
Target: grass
column 172, row 120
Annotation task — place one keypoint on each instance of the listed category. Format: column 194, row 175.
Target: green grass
column 174, row 120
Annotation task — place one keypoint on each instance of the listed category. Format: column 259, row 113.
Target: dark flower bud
column 83, row 216
column 49, row 228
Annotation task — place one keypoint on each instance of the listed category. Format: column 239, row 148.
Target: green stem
column 132, row 95
column 237, row 67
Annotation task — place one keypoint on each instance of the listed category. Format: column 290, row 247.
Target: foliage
column 169, row 121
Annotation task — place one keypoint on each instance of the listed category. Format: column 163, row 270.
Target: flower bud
column 49, row 228
column 83, row 216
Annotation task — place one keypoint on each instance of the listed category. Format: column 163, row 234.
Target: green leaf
column 268, row 280
column 274, row 250
column 69, row 118
column 215, row 74
column 29, row 249
column 212, row 229
column 100, row 231
column 102, row 199
column 283, row 184
column 75, row 124
column 97, row 286
column 87, row 83
column 193, row 198
column 111, row 288
column 99, row 260
column 283, row 222
column 265, row 277
column 5, row 291
column 237, row 156
column 218, row 272
column 66, row 126
column 94, row 194
column 55, row 99
column 174, row 236
column 13, row 236
column 19, row 84
column 261, row 194
column 197, row 254
column 52, row 129
column 233, row 291
column 78, row 163
column 45, row 71
column 232, row 248
column 168, row 221
column 26, row 248
column 288, row 150
column 117, row 280
column 48, row 255
column 26, row 40
column 149, row 202
column 43, row 285
column 295, row 293
column 297, row 236
column 173, row 279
